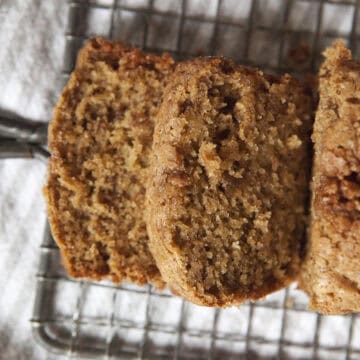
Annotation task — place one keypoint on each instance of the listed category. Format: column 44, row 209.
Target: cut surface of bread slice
column 100, row 139
column 331, row 272
column 228, row 183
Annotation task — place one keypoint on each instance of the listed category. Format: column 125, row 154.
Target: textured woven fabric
column 32, row 43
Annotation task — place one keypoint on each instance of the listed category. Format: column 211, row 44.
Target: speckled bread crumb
column 228, row 186
column 331, row 272
column 100, row 140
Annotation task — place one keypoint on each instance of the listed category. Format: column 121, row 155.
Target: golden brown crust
column 100, row 140
column 331, row 274
column 227, row 191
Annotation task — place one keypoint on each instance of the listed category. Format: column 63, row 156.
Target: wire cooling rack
column 78, row 319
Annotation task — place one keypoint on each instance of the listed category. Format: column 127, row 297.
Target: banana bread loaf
column 331, row 272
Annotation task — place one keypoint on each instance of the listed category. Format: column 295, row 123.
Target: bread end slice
column 331, row 272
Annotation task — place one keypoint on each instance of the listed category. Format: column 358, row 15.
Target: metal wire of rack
column 140, row 322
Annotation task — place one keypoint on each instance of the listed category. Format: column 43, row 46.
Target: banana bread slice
column 100, row 140
column 228, row 183
column 331, row 272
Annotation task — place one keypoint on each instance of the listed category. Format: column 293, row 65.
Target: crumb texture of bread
column 331, row 272
column 228, row 184
column 100, row 140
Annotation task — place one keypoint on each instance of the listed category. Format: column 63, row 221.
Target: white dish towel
column 31, row 52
